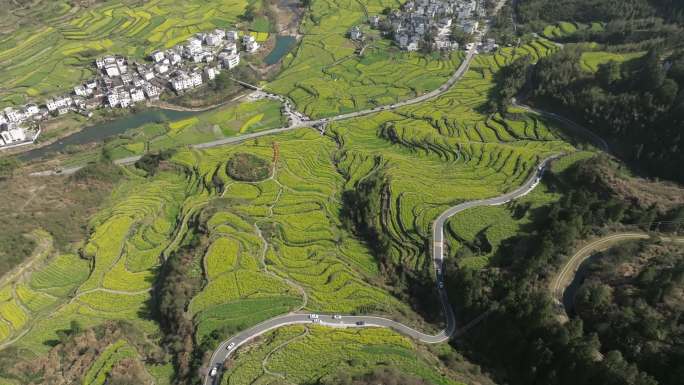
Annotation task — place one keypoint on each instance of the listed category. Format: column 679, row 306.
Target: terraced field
column 564, row 29
column 222, row 122
column 439, row 153
column 592, row 59
column 110, row 280
column 322, row 352
column 326, row 77
column 53, row 56
column 281, row 238
column 278, row 244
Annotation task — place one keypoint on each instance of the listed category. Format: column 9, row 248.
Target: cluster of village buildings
column 122, row 82
column 428, row 22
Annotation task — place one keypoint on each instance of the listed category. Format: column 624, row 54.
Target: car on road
column 360, row 323
column 213, row 371
column 230, row 346
column 337, row 316
column 316, row 320
column 313, row 316
column 441, row 285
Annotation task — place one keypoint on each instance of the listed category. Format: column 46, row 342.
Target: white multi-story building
column 31, row 109
column 137, row 95
column 13, row 116
column 174, row 58
column 112, row 70
column 184, row 81
column 113, row 99
column 81, row 91
column 232, row 36
column 160, row 69
column 13, row 135
column 157, row 56
column 229, row 60
column 211, row 72
column 148, row 75
column 249, row 42
column 196, row 79
column 212, row 40
column 152, row 91
column 193, row 47
column 124, row 99
column 55, row 104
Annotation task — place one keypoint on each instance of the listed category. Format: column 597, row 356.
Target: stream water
column 283, row 45
column 101, row 131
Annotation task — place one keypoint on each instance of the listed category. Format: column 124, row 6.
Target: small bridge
column 245, row 84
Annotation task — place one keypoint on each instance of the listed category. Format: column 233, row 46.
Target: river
column 101, row 131
column 283, row 45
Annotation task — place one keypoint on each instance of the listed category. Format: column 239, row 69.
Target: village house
column 56, row 104
column 13, row 115
column 12, row 135
column 249, row 43
column 137, row 95
column 210, row 73
column 182, row 67
column 355, row 33
column 31, row 109
column 229, row 59
column 157, row 56
column 429, row 21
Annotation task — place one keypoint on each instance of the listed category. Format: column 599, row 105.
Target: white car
column 441, row 285
column 213, row 371
column 230, row 346
column 316, row 320
column 313, row 316
column 337, row 316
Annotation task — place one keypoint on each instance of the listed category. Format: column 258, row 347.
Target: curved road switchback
column 566, row 274
column 223, row 351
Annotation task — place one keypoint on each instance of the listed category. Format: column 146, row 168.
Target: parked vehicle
column 213, row 371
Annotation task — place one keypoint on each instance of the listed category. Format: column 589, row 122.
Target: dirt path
column 567, row 273
column 264, row 362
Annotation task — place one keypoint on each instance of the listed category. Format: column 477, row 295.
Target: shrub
column 248, row 167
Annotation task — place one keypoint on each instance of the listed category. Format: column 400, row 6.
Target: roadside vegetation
column 630, row 299
column 515, row 291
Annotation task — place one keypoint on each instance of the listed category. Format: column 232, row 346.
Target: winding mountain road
column 566, row 274
column 345, row 321
column 303, row 123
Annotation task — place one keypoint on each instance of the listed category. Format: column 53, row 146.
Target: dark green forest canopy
column 631, row 298
column 597, row 10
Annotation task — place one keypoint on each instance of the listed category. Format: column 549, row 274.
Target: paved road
column 222, row 352
column 567, row 272
column 301, row 123
column 595, row 139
